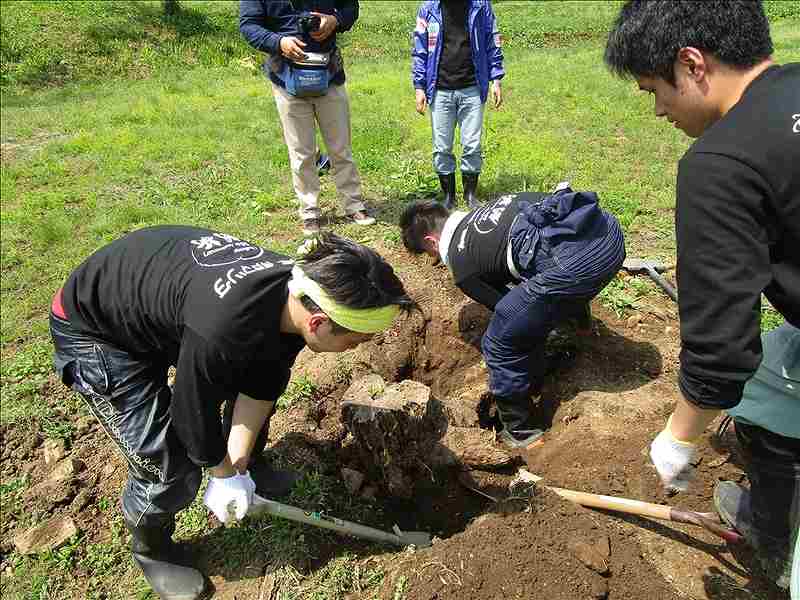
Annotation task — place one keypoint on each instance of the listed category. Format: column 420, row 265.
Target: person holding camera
column 307, row 74
column 455, row 56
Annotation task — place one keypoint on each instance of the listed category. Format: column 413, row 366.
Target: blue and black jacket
column 485, row 42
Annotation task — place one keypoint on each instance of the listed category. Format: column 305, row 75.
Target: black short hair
column 647, row 35
column 353, row 275
column 419, row 219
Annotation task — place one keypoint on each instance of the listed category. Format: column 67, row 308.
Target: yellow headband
column 361, row 320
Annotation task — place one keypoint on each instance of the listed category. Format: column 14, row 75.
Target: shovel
column 637, row 266
column 708, row 521
column 260, row 506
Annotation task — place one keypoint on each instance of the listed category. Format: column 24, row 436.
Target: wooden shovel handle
column 633, row 507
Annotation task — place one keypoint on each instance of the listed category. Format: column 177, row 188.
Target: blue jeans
column 464, row 107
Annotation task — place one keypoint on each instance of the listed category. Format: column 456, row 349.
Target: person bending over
column 231, row 317
column 556, row 250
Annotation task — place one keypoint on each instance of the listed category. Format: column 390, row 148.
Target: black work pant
column 773, row 468
column 130, row 397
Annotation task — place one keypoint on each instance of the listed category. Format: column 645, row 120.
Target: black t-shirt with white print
column 477, row 254
column 206, row 302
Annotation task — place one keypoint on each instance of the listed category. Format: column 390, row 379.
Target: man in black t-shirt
column 737, row 221
column 231, row 317
column 535, row 260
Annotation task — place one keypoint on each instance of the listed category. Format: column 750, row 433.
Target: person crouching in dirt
column 231, row 317
column 558, row 250
column 737, row 220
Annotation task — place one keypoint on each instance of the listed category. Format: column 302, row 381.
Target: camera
column 308, row 23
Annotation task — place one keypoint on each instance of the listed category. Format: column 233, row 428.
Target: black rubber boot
column 518, row 431
column 448, row 183
column 470, row 182
column 271, row 483
column 774, row 556
column 162, row 563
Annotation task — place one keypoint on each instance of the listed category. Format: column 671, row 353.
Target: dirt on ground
column 606, row 396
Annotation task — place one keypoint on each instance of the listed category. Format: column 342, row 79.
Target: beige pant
column 332, row 112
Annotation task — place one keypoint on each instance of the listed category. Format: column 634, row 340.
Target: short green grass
column 115, row 116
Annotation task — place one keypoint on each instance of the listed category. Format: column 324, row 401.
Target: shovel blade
column 418, row 539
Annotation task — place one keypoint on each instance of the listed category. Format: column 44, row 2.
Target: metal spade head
column 638, row 265
column 418, row 539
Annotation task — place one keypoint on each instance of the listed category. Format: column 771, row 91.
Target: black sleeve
column 723, row 266
column 200, row 389
column 346, row 13
column 480, row 291
column 253, row 25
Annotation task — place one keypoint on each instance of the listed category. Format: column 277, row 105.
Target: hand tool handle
column 284, row 511
column 662, row 283
column 637, row 507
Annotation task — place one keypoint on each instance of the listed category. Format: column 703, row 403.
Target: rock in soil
column 46, row 536
column 51, row 493
column 470, row 447
column 588, row 556
column 603, row 546
column 352, row 479
column 66, row 470
column 53, row 451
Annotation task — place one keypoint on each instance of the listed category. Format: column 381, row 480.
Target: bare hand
column 422, row 101
column 327, row 25
column 292, row 48
column 497, row 93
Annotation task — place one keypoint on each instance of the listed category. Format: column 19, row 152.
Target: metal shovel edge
column 260, row 506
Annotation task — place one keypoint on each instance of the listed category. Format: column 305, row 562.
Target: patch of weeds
column 400, row 588
column 103, row 558
column 57, row 426
column 64, row 557
column 311, row 490
column 32, row 360
column 105, row 504
column 193, row 520
column 342, row 372
column 392, row 237
column 298, row 390
column 340, row 577
column 12, row 486
column 622, row 295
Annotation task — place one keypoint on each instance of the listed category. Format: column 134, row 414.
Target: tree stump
column 395, row 429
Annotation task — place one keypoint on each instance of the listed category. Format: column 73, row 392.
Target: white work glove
column 236, row 492
column 672, row 459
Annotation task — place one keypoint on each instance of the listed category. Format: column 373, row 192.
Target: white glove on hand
column 672, row 460
column 224, row 491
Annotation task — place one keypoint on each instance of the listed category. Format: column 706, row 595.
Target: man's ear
column 694, row 61
column 432, row 242
column 315, row 321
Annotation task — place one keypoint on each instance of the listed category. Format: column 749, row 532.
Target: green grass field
column 115, row 117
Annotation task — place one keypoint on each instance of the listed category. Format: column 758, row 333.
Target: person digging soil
column 231, row 317
column 557, row 250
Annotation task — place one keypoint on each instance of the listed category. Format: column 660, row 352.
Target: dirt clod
column 352, row 479
column 53, row 451
column 46, row 536
column 588, row 556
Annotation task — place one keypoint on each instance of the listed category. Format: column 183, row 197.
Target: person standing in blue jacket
column 456, row 54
